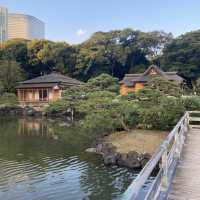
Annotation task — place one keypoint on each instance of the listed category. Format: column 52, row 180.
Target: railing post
column 188, row 121
column 177, row 144
column 164, row 181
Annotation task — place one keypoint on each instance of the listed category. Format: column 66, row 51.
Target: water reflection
column 36, row 127
column 43, row 160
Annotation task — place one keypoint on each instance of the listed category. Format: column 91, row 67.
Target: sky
column 74, row 21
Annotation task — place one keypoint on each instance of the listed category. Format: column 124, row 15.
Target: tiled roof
column 49, row 81
column 36, row 85
column 53, row 78
column 131, row 79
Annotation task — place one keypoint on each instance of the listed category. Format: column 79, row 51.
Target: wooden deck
column 186, row 183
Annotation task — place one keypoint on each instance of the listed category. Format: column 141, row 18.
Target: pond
column 41, row 160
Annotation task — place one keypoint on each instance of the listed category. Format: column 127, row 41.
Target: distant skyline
column 74, row 21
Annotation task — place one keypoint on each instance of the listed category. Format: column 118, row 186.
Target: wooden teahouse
column 136, row 82
column 42, row 90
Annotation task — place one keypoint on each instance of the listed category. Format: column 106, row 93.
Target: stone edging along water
column 111, row 156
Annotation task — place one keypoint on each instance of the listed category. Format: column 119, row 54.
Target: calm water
column 40, row 160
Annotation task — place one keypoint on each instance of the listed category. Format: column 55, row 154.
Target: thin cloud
column 81, row 32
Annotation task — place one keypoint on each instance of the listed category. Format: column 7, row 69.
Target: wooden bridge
column 178, row 159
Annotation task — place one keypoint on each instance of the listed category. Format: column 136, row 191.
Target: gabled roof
column 49, row 80
column 131, row 79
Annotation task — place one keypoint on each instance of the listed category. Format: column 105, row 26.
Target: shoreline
column 124, row 149
column 129, row 149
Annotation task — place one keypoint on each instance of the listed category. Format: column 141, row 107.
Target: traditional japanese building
column 136, row 82
column 42, row 90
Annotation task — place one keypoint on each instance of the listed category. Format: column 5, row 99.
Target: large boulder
column 109, row 152
column 144, row 159
column 133, row 160
column 121, row 161
column 130, row 160
column 108, row 148
column 110, row 159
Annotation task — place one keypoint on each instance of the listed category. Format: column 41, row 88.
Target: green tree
column 182, row 55
column 10, row 74
column 104, row 82
column 164, row 86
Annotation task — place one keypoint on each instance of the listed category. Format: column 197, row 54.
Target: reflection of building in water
column 36, row 127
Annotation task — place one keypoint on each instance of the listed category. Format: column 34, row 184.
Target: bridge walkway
column 178, row 159
column 186, row 183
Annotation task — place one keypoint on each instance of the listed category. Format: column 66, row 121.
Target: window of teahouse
column 43, row 94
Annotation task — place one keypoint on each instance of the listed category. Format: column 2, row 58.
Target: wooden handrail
column 167, row 156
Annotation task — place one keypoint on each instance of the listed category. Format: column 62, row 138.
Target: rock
column 29, row 111
column 129, row 160
column 64, row 124
column 133, row 160
column 121, row 160
column 91, row 150
column 108, row 148
column 110, row 159
column 99, row 148
column 144, row 159
column 10, row 110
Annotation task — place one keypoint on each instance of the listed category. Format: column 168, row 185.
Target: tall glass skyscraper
column 3, row 24
column 20, row 26
column 25, row 27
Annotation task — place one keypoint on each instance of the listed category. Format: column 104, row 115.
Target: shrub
column 56, row 107
column 8, row 99
column 163, row 116
column 98, row 124
column 191, row 102
column 104, row 82
column 164, row 86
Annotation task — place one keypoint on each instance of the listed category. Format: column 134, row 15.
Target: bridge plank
column 187, row 180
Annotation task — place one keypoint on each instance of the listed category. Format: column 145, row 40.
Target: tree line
column 116, row 53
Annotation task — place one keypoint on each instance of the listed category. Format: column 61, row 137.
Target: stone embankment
column 18, row 111
column 111, row 156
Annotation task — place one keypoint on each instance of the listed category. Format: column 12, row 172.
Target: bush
column 56, row 107
column 98, row 124
column 104, row 82
column 191, row 102
column 8, row 99
column 164, row 86
column 163, row 116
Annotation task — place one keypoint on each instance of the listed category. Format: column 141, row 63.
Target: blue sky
column 74, row 21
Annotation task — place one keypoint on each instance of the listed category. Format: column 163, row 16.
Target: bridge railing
column 166, row 157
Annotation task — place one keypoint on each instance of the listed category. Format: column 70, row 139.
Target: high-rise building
column 25, row 27
column 19, row 26
column 3, row 24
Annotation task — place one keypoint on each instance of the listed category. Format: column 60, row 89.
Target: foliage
column 98, row 124
column 197, row 88
column 164, row 115
column 182, row 55
column 56, row 107
column 105, row 82
column 164, row 86
column 115, row 53
column 10, row 75
column 8, row 99
column 191, row 102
